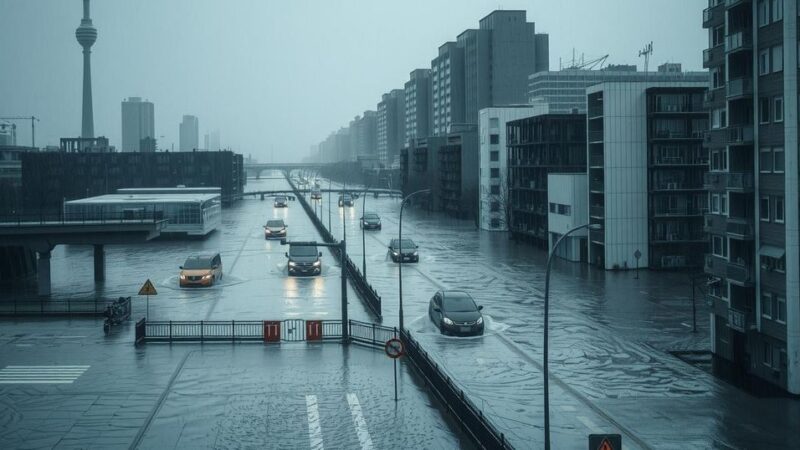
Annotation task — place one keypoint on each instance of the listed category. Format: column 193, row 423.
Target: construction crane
column 33, row 120
column 584, row 65
column 646, row 52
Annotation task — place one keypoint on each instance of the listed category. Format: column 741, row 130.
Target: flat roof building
column 138, row 123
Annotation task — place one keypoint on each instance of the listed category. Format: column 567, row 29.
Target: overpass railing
column 46, row 307
column 366, row 292
column 83, row 218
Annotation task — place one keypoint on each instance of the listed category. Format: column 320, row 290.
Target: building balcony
column 708, row 16
column 734, row 3
column 740, row 88
column 733, row 181
column 738, row 41
column 679, row 161
column 740, row 228
column 676, row 186
column 711, row 96
column 597, row 185
column 741, row 321
column 595, row 112
column 740, row 134
column 687, row 237
column 597, row 211
column 678, row 212
column 598, row 237
column 740, row 274
column 715, row 266
column 672, row 135
column 596, row 160
column 713, row 56
column 715, row 224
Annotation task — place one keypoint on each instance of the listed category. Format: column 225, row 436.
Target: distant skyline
column 283, row 75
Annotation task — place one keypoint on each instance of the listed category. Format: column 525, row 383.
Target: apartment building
column 754, row 260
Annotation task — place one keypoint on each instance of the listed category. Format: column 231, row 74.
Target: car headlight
column 479, row 321
column 317, row 263
column 292, row 264
column 183, row 277
column 207, row 276
column 416, row 254
column 447, row 321
column 267, row 231
column 394, row 253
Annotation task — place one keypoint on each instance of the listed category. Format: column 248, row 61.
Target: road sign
column 148, row 288
column 605, row 442
column 637, row 254
column 394, row 348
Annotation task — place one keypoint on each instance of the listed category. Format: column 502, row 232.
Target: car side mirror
column 180, row 267
column 319, row 254
column 480, row 307
column 287, row 254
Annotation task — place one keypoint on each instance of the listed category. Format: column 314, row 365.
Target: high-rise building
column 753, row 222
column 498, row 58
column 447, row 88
column 418, row 105
column 189, row 134
column 138, row 123
column 211, row 141
column 646, row 167
column 8, row 133
column 391, row 126
column 86, row 34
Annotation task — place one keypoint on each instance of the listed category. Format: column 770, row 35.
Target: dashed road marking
column 314, row 428
column 588, row 423
column 41, row 374
column 361, row 424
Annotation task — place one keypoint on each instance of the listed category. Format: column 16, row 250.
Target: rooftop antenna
column 646, row 52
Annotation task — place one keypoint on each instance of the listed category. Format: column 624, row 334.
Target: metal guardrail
column 45, row 307
column 370, row 333
column 72, row 218
column 366, row 292
column 468, row 416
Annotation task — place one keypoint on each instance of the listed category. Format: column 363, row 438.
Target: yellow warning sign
column 148, row 289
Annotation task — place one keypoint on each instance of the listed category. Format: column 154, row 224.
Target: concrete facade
column 390, row 127
column 418, row 105
column 567, row 209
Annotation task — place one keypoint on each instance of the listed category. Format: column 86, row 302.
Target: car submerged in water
column 201, row 270
column 455, row 313
column 275, row 229
column 371, row 221
column 403, row 251
column 304, row 259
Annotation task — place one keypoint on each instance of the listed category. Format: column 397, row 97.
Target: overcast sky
column 280, row 75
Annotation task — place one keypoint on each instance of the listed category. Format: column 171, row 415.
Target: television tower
column 87, row 35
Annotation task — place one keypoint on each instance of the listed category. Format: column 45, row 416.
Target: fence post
column 170, row 331
column 233, row 331
column 373, row 333
column 201, row 331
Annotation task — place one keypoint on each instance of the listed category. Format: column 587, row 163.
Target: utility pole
column 646, row 52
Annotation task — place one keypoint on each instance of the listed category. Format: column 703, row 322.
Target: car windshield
column 303, row 250
column 346, row 197
column 280, row 199
column 458, row 302
column 371, row 217
column 197, row 263
column 275, row 223
column 406, row 244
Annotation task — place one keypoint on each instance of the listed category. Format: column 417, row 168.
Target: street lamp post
column 329, row 204
column 363, row 235
column 400, row 260
column 546, row 319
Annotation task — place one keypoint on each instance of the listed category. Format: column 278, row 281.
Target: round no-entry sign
column 394, row 348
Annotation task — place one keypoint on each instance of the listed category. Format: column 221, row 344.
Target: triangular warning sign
column 148, row 289
column 605, row 445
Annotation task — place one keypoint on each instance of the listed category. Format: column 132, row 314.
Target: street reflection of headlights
column 317, row 263
column 479, row 321
column 447, row 321
column 292, row 264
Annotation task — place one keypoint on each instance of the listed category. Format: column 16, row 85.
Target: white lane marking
column 686, row 325
column 314, row 428
column 588, row 423
column 361, row 424
column 567, row 408
column 41, row 374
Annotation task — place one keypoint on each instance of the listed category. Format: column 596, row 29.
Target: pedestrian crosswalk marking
column 41, row 374
column 314, row 428
column 361, row 424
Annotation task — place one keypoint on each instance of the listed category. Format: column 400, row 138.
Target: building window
column 495, row 223
column 777, row 58
column 766, row 305
column 552, row 207
column 718, row 118
column 777, row 10
column 780, row 308
column 779, row 214
column 763, row 62
column 495, row 206
column 718, row 36
column 764, row 209
column 763, row 13
column 494, row 138
column 494, row 122
column 494, row 155
column 719, row 160
column 778, row 112
column 723, row 204
column 565, row 210
column 715, row 203
column 765, row 160
column 763, row 110
column 717, row 76
column 778, row 160
column 495, row 189
column 719, row 246
column 495, row 172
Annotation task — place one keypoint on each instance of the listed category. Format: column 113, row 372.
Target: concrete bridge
column 255, row 170
column 43, row 233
